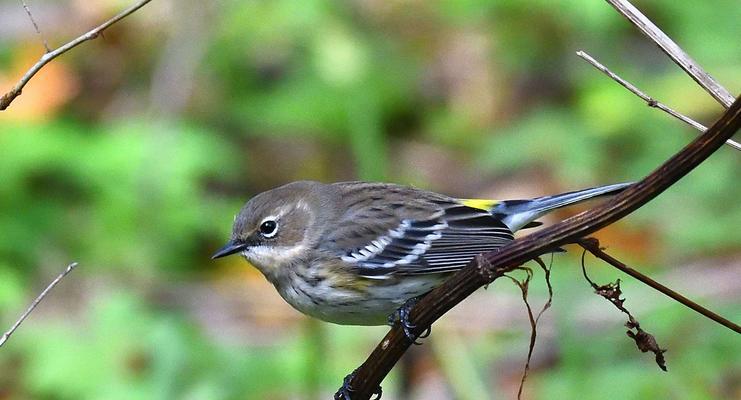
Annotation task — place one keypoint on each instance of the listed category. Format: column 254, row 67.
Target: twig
column 486, row 268
column 35, row 26
column 36, row 302
column 8, row 98
column 674, row 52
column 524, row 285
column 592, row 245
column 649, row 100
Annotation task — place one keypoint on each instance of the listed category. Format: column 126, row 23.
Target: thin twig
column 674, row 52
column 8, row 98
column 592, row 246
column 524, row 286
column 649, row 100
column 35, row 26
column 36, row 302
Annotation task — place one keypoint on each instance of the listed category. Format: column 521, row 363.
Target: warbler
column 353, row 253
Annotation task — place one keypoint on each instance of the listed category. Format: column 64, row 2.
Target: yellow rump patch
column 481, row 204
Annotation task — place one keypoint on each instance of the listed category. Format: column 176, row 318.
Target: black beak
column 231, row 247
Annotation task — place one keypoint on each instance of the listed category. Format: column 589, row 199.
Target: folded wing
column 444, row 242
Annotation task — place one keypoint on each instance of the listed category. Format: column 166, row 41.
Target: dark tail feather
column 520, row 213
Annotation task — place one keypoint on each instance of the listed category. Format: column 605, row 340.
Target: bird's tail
column 517, row 214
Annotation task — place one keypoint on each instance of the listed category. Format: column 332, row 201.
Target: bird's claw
column 402, row 315
column 345, row 392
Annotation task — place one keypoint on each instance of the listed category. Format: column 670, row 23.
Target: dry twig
column 36, row 302
column 524, row 285
column 692, row 68
column 592, row 245
column 649, row 100
column 35, row 25
column 8, row 97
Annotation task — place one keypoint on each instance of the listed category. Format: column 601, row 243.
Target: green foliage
column 131, row 198
column 134, row 353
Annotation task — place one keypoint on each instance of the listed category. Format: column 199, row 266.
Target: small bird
column 353, row 253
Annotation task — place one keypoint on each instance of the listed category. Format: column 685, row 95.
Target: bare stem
column 592, row 245
column 35, row 25
column 648, row 99
column 36, row 302
column 692, row 68
column 8, row 98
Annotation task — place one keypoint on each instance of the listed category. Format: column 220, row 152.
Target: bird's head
column 273, row 229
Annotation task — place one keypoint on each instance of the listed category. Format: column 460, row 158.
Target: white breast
column 371, row 306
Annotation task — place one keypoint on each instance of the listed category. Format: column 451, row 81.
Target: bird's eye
column 269, row 228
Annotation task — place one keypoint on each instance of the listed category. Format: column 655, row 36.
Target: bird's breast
column 333, row 293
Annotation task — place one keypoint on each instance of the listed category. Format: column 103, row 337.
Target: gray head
column 272, row 228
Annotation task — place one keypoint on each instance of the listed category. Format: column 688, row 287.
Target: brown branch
column 592, row 246
column 36, row 302
column 486, row 268
column 649, row 100
column 8, row 97
column 692, row 68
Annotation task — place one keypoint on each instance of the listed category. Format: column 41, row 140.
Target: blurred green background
column 132, row 153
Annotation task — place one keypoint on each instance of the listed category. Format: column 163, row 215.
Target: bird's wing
column 468, row 232
column 416, row 235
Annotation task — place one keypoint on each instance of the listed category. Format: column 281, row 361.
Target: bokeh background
column 132, row 153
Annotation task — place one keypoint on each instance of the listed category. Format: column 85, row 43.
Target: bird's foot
column 345, row 392
column 402, row 315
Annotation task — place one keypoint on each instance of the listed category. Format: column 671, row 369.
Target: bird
column 356, row 253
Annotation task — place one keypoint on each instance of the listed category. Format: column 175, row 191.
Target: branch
column 8, row 98
column 674, row 52
column 486, row 268
column 36, row 302
column 592, row 245
column 649, row 100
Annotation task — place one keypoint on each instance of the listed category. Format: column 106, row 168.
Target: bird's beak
column 231, row 247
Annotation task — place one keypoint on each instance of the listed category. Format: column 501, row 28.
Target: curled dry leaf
column 611, row 292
